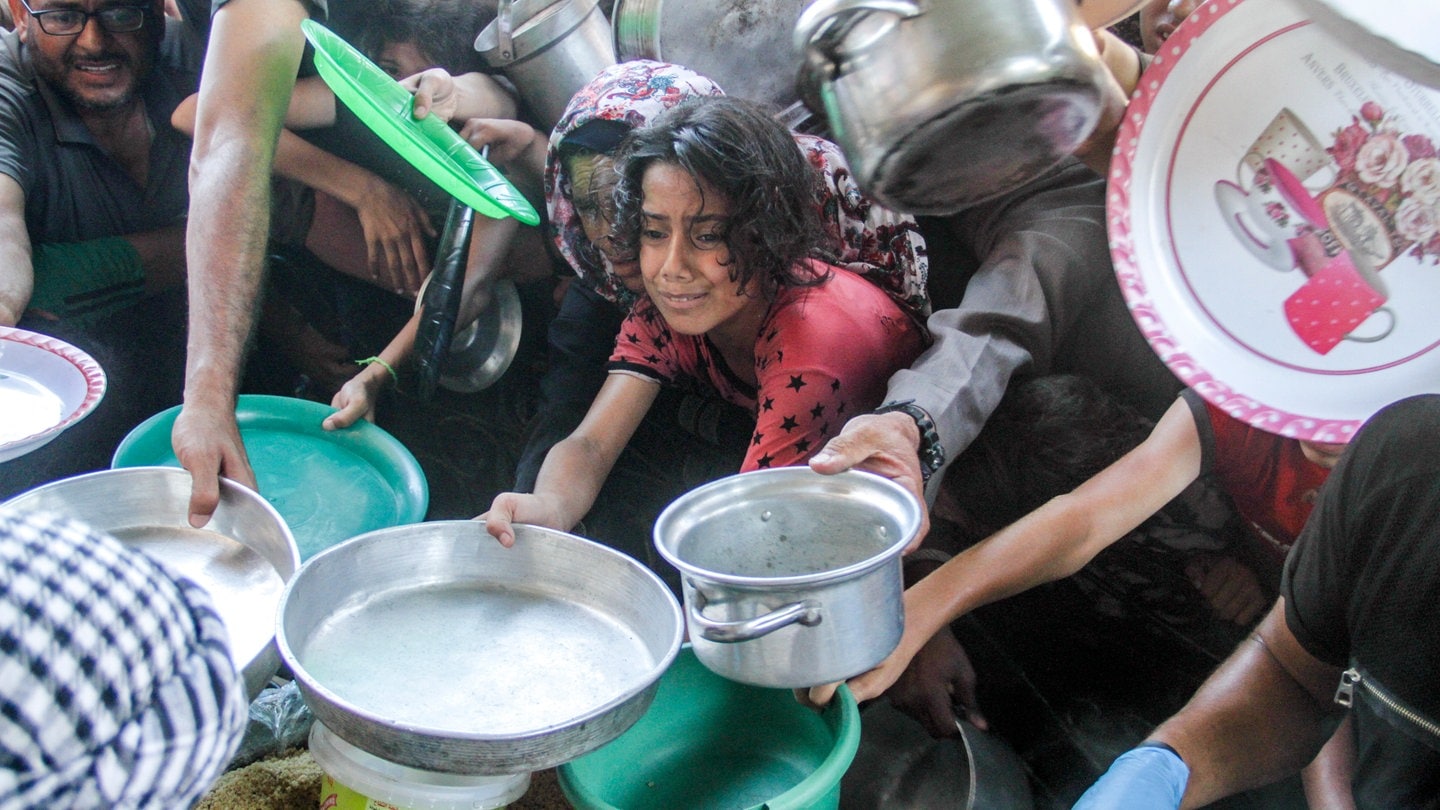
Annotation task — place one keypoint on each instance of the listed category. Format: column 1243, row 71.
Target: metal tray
column 433, row 646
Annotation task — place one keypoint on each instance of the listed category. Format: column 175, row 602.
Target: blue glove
column 1149, row 777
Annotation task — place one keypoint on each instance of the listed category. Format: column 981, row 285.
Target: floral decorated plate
column 1402, row 35
column 1274, row 210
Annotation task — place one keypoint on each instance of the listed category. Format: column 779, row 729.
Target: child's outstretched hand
column 1231, row 588
column 510, row 508
column 355, row 400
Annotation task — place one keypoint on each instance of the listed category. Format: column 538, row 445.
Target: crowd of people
column 728, row 299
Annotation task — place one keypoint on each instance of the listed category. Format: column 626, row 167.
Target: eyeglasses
column 69, row 22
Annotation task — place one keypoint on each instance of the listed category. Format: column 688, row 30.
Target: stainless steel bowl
column 481, row 353
column 433, row 646
column 242, row 557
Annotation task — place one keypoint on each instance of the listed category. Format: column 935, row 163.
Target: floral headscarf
column 874, row 242
column 633, row 93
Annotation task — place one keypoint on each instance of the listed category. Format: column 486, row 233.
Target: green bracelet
column 393, row 376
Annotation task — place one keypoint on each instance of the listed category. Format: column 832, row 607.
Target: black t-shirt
column 1362, row 590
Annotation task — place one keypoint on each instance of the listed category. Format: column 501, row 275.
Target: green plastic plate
column 429, row 144
column 328, row 485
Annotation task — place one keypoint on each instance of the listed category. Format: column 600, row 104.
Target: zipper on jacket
column 1345, row 696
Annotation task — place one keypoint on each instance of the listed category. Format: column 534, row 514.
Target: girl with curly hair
column 717, row 205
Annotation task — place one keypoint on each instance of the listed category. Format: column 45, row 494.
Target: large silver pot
column 940, row 104
column 549, row 49
column 791, row 578
column 743, row 45
column 433, row 646
column 242, row 557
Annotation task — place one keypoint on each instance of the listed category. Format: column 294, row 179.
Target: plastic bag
column 279, row 720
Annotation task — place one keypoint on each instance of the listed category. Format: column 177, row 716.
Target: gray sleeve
column 1044, row 259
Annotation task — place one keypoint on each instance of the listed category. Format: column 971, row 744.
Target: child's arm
column 312, row 105
column 459, row 98
column 1052, row 542
column 356, row 398
column 394, row 224
column 576, row 468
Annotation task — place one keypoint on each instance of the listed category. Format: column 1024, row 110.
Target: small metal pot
column 791, row 578
column 940, row 104
column 549, row 49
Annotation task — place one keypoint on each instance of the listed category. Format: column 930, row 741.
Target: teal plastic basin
column 708, row 743
column 328, row 485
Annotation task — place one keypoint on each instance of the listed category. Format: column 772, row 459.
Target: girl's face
column 684, row 259
column 592, row 184
column 403, row 59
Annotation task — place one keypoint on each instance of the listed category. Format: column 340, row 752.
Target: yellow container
column 358, row 780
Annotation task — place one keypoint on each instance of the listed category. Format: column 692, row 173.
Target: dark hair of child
column 734, row 148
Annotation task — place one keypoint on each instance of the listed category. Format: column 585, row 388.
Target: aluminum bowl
column 433, row 646
column 242, row 557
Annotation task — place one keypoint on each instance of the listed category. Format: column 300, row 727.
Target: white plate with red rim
column 46, row 385
column 1297, row 323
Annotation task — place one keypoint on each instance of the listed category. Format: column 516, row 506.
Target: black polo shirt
column 73, row 190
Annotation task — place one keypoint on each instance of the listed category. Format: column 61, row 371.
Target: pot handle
column 819, row 19
column 807, row 612
column 503, row 31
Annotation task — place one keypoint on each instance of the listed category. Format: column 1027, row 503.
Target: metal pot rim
column 827, row 577
column 338, row 704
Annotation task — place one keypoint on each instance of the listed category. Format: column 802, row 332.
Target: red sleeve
column 645, row 345
column 825, row 354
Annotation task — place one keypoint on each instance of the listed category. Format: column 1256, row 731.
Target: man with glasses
column 93, row 198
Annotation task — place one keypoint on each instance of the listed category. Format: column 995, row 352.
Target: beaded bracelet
column 368, row 360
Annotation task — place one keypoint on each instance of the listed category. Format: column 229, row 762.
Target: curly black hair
column 750, row 159
column 443, row 29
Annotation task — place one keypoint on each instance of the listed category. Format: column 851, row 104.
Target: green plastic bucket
column 708, row 743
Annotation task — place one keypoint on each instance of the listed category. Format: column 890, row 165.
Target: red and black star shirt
column 823, row 354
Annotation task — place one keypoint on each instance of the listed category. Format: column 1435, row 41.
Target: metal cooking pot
column 791, row 578
column 899, row 766
column 549, row 49
column 743, row 45
column 432, row 646
column 940, row 104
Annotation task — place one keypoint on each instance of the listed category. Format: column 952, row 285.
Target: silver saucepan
column 791, row 578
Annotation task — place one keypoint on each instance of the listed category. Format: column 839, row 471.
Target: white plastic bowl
column 46, row 385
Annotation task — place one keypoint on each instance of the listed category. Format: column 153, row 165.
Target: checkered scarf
column 116, row 684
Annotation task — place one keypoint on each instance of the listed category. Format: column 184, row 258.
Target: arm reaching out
column 253, row 54
column 576, row 468
column 1052, row 542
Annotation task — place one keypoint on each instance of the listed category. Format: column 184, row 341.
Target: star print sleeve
column 798, row 411
column 643, row 346
column 824, row 357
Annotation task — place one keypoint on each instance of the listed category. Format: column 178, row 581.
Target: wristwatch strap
column 932, row 453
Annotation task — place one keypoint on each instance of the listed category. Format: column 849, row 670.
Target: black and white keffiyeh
column 116, row 685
